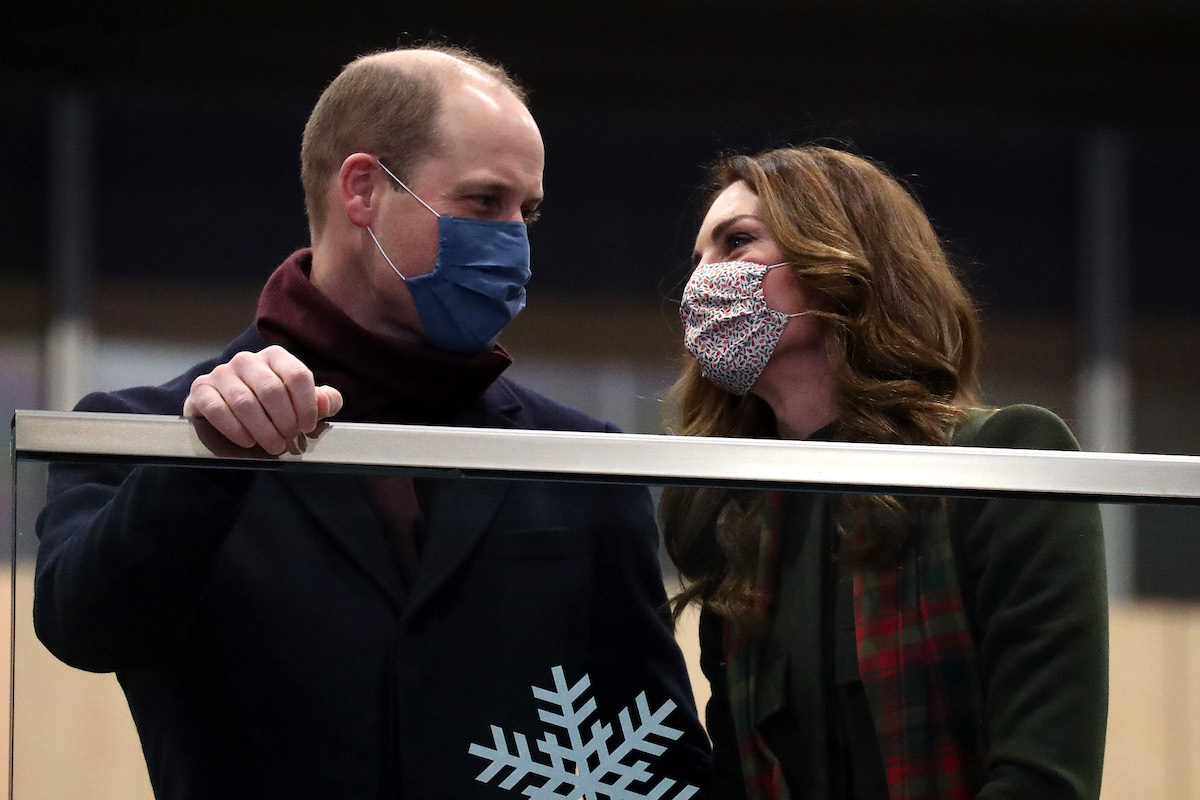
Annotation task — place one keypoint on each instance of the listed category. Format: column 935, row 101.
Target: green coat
column 1031, row 573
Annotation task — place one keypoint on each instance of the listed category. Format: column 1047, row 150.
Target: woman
column 872, row 646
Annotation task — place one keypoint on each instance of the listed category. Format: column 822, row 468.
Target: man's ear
column 358, row 185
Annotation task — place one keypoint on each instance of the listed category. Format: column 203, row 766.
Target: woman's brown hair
column 902, row 339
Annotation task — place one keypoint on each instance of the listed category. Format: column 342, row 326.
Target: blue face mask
column 477, row 285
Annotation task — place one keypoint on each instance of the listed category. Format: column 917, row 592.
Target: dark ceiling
column 987, row 109
column 1041, row 62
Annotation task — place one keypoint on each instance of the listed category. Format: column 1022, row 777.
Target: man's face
column 488, row 166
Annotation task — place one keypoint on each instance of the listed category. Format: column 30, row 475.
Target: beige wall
column 74, row 737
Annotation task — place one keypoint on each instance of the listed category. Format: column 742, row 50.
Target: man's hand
column 268, row 398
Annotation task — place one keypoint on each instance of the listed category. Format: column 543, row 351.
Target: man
column 288, row 635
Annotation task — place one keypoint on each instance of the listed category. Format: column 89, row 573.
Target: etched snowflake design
column 585, row 767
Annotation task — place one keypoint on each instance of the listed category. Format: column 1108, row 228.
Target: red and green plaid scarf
column 917, row 662
column 743, row 655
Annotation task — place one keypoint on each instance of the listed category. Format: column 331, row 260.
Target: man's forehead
column 463, row 96
column 473, row 92
column 477, row 123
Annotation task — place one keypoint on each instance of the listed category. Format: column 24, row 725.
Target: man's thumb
column 329, row 401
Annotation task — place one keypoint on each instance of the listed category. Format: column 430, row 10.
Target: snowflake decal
column 589, row 765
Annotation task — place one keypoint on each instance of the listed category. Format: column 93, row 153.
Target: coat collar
column 345, row 514
column 458, row 513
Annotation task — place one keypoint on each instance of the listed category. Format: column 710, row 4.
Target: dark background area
column 984, row 108
column 987, row 110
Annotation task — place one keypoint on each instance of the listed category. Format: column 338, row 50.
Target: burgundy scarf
column 381, row 378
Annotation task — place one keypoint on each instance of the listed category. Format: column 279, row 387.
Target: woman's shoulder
column 1021, row 426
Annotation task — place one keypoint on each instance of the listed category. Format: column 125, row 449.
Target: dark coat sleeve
column 124, row 553
column 1033, row 578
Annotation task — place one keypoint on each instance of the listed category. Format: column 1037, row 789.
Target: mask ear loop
column 418, row 199
column 405, row 188
column 765, row 271
column 385, row 255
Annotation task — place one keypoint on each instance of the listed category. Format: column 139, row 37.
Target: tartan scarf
column 917, row 663
column 743, row 655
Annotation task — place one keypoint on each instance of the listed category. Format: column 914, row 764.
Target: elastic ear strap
column 784, row 264
column 404, row 186
column 381, row 251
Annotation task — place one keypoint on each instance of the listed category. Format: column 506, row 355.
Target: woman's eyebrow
column 723, row 226
column 719, row 229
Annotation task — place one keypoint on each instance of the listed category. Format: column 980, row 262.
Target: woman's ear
column 357, row 183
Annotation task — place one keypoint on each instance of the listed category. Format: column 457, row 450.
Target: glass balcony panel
column 72, row 734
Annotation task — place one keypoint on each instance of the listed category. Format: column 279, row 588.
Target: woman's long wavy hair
column 902, row 339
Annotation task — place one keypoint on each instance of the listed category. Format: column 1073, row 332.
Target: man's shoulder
column 166, row 398
column 537, row 411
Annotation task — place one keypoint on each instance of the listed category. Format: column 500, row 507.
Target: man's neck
column 342, row 274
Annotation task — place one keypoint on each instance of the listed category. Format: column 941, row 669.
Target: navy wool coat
column 269, row 646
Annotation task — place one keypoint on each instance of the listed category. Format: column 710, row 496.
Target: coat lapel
column 345, row 512
column 459, row 510
column 458, row 514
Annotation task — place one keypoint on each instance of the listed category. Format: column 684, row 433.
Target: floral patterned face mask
column 728, row 326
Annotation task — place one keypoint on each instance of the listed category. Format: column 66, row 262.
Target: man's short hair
column 375, row 107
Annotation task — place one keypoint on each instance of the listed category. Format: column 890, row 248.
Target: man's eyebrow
column 483, row 185
column 495, row 187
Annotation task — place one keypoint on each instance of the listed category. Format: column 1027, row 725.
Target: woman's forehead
column 735, row 200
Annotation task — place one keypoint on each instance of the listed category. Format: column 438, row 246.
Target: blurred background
column 149, row 157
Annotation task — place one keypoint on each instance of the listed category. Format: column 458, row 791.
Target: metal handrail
column 641, row 458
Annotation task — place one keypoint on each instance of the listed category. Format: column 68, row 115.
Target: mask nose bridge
column 404, row 186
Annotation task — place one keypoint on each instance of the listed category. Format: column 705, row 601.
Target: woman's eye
column 737, row 241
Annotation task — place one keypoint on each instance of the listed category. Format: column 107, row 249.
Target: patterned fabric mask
column 728, row 326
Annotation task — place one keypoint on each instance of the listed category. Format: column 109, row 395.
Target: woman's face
column 795, row 381
column 732, row 231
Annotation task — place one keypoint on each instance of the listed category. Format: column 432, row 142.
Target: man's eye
column 485, row 200
column 531, row 215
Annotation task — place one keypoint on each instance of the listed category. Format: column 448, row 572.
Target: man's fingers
column 237, row 399
column 246, row 404
column 297, row 380
column 259, row 376
column 206, row 402
column 267, row 398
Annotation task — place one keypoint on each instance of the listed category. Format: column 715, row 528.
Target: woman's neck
column 800, row 394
